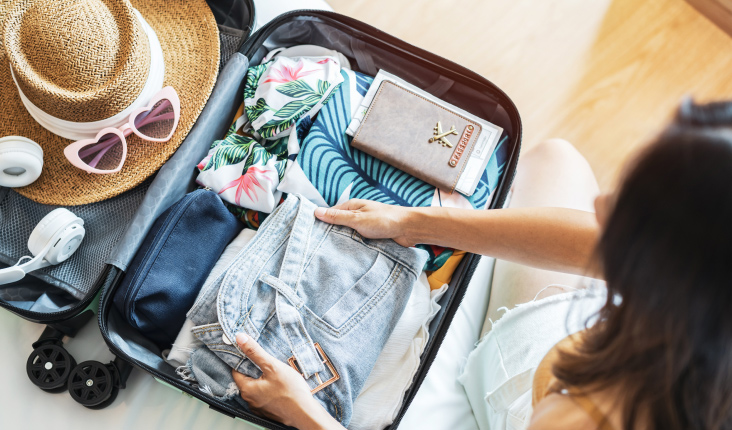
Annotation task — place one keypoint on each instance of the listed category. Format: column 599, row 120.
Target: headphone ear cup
column 67, row 243
column 21, row 161
column 48, row 227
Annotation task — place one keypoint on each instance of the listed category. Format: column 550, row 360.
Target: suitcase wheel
column 92, row 384
column 49, row 366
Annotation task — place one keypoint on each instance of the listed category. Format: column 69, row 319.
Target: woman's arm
column 555, row 239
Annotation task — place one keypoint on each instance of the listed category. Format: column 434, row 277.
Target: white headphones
column 21, row 161
column 52, row 241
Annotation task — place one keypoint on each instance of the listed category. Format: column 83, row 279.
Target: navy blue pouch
column 164, row 278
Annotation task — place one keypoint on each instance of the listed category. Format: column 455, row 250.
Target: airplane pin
column 440, row 136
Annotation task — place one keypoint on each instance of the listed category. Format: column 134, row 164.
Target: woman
column 657, row 355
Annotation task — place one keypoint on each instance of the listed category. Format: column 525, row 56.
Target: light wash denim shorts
column 317, row 296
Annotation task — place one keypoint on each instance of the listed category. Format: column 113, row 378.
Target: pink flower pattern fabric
column 247, row 182
column 285, row 73
column 279, row 93
column 246, row 167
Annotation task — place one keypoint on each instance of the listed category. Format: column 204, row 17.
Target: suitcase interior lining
column 32, row 293
column 366, row 54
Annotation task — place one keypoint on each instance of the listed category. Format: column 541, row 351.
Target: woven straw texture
column 189, row 37
column 106, row 53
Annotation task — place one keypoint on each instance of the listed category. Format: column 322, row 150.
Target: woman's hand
column 371, row 219
column 280, row 393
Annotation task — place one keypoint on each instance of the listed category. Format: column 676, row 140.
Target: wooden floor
column 604, row 74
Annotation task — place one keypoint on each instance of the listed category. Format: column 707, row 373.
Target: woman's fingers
column 336, row 216
column 255, row 353
column 345, row 213
column 244, row 382
column 352, row 205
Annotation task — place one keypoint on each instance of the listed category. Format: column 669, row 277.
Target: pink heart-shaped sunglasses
column 104, row 154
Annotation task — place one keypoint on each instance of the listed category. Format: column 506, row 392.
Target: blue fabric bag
column 170, row 268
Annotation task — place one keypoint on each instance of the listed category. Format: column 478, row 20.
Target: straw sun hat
column 68, row 63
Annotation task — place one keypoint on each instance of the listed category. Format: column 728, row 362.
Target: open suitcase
column 369, row 50
column 66, row 296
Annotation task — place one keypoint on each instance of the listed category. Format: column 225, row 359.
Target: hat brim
column 189, row 37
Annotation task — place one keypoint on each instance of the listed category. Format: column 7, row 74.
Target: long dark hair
column 664, row 336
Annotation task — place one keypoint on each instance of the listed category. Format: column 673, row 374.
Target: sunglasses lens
column 156, row 123
column 105, row 154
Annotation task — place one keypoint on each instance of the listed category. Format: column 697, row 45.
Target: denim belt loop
column 288, row 302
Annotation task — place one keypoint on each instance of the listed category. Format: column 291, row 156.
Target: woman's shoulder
column 560, row 412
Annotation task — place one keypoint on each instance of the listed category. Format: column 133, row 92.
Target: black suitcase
column 369, row 50
column 86, row 271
